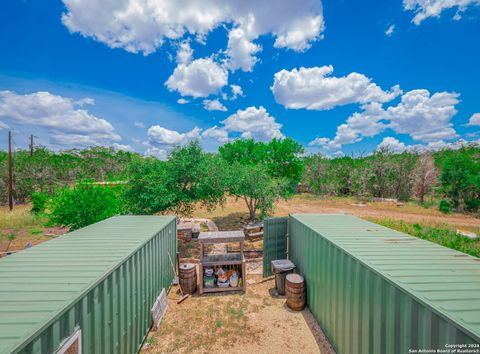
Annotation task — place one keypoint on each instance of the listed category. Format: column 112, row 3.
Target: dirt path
column 255, row 322
column 377, row 211
column 230, row 217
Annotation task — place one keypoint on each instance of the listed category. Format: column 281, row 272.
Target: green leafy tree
column 85, row 203
column 460, row 180
column 279, row 158
column 148, row 190
column 188, row 177
column 257, row 188
column 261, row 173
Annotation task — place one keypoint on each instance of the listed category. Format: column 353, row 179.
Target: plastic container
column 281, row 267
column 209, row 282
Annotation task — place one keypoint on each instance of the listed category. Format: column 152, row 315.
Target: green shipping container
column 375, row 290
column 98, row 283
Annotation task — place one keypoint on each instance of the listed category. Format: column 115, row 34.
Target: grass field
column 234, row 212
column 22, row 227
column 431, row 223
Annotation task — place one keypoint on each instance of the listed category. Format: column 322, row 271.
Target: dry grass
column 234, row 213
column 24, row 228
column 19, row 218
column 234, row 323
column 28, row 228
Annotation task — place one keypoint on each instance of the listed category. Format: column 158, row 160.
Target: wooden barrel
column 187, row 277
column 295, row 292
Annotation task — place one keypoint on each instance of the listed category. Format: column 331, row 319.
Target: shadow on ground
column 233, row 221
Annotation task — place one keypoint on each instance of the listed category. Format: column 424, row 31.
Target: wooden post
column 10, row 174
column 31, row 145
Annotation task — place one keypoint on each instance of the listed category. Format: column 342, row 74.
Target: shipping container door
column 274, row 242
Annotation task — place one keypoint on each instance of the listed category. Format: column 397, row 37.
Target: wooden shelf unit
column 224, row 259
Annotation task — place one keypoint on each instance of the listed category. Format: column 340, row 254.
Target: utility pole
column 10, row 174
column 31, row 145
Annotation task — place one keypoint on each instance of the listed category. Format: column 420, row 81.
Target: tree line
column 46, row 170
column 448, row 177
column 257, row 173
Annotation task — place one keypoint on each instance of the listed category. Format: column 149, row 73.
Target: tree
column 46, row 170
column 148, row 191
column 257, row 188
column 382, row 173
column 279, row 158
column 317, row 175
column 425, row 176
column 261, row 173
column 189, row 176
column 403, row 166
column 460, row 180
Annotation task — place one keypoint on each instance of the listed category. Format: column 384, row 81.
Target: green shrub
column 85, row 204
column 445, row 206
column 39, row 202
column 472, row 205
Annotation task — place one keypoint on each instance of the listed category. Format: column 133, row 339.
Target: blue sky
column 149, row 77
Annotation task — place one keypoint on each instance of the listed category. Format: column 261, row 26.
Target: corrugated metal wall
column 359, row 310
column 114, row 316
column 274, row 242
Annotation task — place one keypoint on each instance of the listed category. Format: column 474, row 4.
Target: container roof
column 445, row 280
column 38, row 284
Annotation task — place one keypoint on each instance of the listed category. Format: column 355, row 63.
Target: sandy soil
column 255, row 322
column 234, row 212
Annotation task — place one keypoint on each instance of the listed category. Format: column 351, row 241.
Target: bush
column 472, row 205
column 445, row 206
column 84, row 204
column 39, row 201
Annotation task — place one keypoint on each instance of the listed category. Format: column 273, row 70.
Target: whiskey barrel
column 295, row 292
column 187, row 277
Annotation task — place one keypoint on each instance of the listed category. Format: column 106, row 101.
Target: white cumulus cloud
column 359, row 125
column 184, row 53
column 474, row 120
column 162, row 140
column 159, row 153
column 182, row 101
column 433, row 8
column 392, row 144
column 236, row 91
column 241, row 51
column 122, row 147
column 254, row 123
column 315, row 89
column 144, row 25
column 160, row 136
column 425, row 117
column 65, row 119
column 214, row 105
column 201, row 78
column 216, row 133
